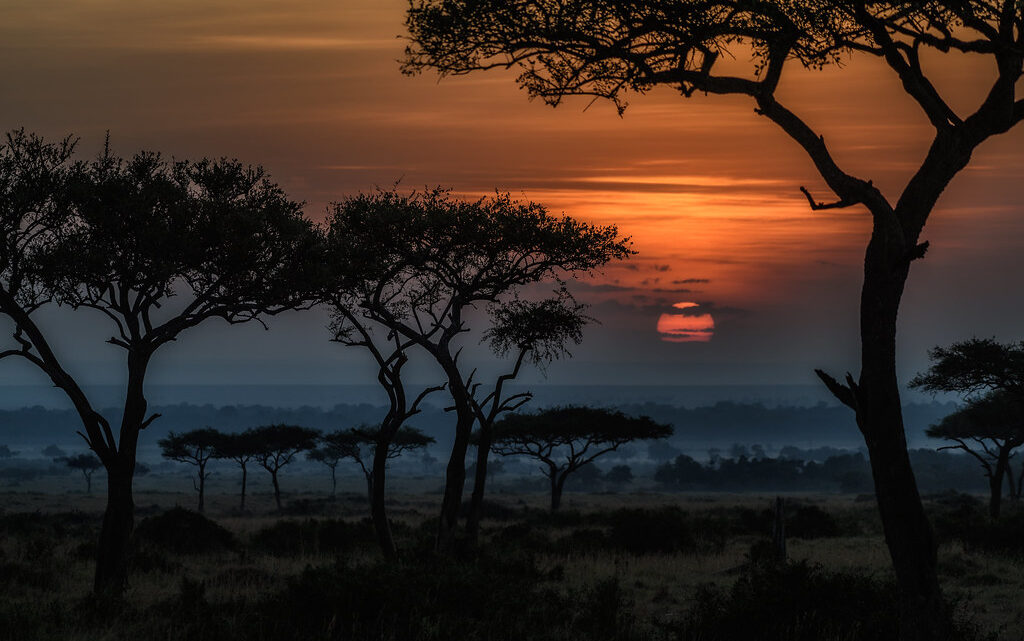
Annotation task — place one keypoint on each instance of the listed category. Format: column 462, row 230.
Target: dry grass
column 988, row 588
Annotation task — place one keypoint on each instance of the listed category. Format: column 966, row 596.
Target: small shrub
column 184, row 531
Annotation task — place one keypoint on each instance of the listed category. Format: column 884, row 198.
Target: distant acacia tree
column 365, row 444
column 194, row 448
column 86, row 463
column 566, row 439
column 240, row 447
column 435, row 257
column 989, row 428
column 123, row 237
column 277, row 445
column 331, row 449
column 990, row 375
column 610, row 48
column 53, row 452
column 7, row 452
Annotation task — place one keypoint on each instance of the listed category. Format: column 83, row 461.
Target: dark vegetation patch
column 793, row 602
column 183, row 531
column 314, row 536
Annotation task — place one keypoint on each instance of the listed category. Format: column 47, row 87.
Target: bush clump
column 793, row 602
column 433, row 599
column 184, row 531
column 310, row 537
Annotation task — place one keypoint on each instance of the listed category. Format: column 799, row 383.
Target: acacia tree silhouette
column 276, row 446
column 990, row 375
column 85, row 463
column 989, row 428
column 195, row 447
column 606, row 48
column 241, row 448
column 435, row 257
column 565, row 439
column 122, row 238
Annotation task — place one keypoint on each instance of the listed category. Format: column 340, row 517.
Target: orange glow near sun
column 681, row 328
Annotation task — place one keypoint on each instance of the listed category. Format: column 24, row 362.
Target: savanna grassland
column 625, row 566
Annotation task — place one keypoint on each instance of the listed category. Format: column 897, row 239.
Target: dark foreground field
column 622, row 567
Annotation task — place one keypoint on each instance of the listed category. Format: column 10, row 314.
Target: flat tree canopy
column 565, row 439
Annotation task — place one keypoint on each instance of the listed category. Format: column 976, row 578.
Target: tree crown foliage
column 414, row 260
column 973, row 366
column 86, row 462
column 998, row 415
column 543, row 329
column 135, row 232
column 32, row 171
column 606, row 48
column 276, row 445
column 566, row 425
column 192, row 447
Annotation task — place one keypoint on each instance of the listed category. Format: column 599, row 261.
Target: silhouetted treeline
column 725, row 422
column 729, row 422
column 849, row 473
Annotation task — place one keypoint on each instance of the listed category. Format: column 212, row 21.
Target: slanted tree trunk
column 557, row 485
column 995, row 482
column 202, row 487
column 476, row 501
column 876, row 399
column 241, row 504
column 376, row 482
column 277, row 489
column 455, row 475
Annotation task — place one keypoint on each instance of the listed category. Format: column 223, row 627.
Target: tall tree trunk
column 476, row 501
column 557, row 485
column 241, row 505
column 277, row 489
column 455, row 475
column 116, row 533
column 876, row 399
column 88, row 482
column 995, row 483
column 119, row 518
column 378, row 509
column 202, row 488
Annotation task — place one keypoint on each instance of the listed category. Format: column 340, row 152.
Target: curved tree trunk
column 455, row 475
column 876, row 400
column 277, row 489
column 476, row 501
column 378, row 509
column 241, row 505
column 202, row 488
column 995, row 483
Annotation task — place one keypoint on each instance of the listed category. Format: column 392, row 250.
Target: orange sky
column 708, row 190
